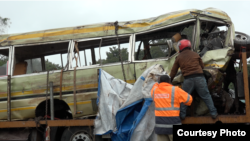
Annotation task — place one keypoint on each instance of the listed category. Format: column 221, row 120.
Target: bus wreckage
column 65, row 61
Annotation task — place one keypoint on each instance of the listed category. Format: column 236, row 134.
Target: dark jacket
column 189, row 62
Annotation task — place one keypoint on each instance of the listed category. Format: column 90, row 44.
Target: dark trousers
column 200, row 85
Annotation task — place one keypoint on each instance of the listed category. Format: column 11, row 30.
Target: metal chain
column 46, row 106
column 74, row 91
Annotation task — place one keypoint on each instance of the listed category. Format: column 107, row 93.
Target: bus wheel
column 77, row 134
column 35, row 135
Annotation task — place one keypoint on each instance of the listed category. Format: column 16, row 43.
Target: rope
column 46, row 106
column 100, row 52
column 75, row 91
column 61, row 76
column 116, row 29
column 78, row 55
column 37, row 121
column 134, row 73
column 66, row 66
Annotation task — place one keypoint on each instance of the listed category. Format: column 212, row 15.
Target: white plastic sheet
column 116, row 95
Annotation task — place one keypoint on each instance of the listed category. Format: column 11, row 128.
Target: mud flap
column 35, row 135
column 240, row 85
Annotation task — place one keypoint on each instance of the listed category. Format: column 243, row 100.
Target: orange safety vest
column 167, row 100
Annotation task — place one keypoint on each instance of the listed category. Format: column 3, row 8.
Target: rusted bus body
column 28, row 89
column 25, row 108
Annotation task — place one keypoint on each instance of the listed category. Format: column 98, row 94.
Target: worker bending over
column 167, row 100
column 191, row 67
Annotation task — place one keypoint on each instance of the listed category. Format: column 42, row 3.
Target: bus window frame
column 25, row 45
column 8, row 64
column 131, row 42
column 157, row 29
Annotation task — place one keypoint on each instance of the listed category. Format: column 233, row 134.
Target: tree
column 3, row 60
column 141, row 54
column 4, row 23
column 103, row 61
column 113, row 55
column 51, row 66
column 37, row 65
column 189, row 32
column 160, row 50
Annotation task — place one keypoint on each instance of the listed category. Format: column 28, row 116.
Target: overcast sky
column 29, row 16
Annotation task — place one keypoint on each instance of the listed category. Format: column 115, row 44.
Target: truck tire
column 35, row 135
column 77, row 134
column 241, row 39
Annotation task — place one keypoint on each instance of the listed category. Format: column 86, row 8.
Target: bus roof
column 108, row 29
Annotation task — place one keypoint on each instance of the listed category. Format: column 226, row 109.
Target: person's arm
column 156, row 85
column 201, row 63
column 184, row 97
column 174, row 69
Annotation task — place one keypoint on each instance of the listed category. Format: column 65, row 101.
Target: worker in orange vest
column 167, row 100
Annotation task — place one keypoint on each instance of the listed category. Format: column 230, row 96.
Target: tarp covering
column 127, row 111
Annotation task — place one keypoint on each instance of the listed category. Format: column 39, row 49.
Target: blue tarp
column 128, row 118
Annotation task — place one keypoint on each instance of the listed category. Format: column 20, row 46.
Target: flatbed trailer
column 50, row 123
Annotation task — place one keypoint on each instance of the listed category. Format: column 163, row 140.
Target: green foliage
column 141, row 54
column 3, row 60
column 160, row 50
column 51, row 66
column 189, row 32
column 157, row 52
column 4, row 23
column 113, row 55
column 103, row 61
column 231, row 86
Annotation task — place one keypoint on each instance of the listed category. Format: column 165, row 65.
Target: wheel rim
column 81, row 136
column 241, row 36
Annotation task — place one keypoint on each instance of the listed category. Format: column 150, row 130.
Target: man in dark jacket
column 191, row 67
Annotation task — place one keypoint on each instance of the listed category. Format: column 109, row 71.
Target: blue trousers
column 200, row 85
